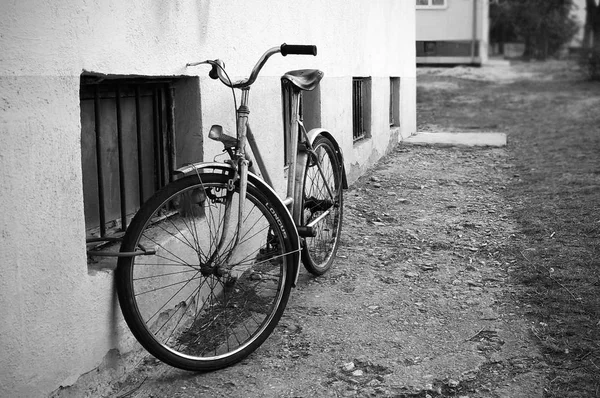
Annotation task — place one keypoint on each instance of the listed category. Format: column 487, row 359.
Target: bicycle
column 207, row 264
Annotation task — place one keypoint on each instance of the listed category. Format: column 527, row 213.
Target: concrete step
column 484, row 139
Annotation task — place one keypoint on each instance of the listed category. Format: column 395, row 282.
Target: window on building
column 361, row 108
column 394, row 101
column 310, row 114
column 432, row 3
column 128, row 145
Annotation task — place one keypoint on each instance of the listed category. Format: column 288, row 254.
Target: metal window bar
column 394, row 101
column 140, row 152
column 158, row 139
column 286, row 103
column 99, row 163
column 392, row 104
column 122, row 191
column 161, row 121
column 286, row 96
column 170, row 132
column 358, row 130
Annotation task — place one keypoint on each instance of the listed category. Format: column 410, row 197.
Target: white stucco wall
column 60, row 319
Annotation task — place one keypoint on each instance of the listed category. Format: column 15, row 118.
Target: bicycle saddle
column 304, row 79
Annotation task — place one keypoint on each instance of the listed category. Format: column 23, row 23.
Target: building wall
column 454, row 27
column 60, row 317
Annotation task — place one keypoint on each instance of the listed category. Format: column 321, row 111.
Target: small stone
column 362, row 360
column 357, row 373
column 348, row 367
column 402, row 200
column 453, row 383
column 373, row 307
column 412, row 274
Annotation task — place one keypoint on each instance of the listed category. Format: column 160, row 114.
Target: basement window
column 394, row 101
column 131, row 141
column 310, row 114
column 361, row 108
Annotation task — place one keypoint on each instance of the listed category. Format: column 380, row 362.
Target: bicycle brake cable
column 230, row 85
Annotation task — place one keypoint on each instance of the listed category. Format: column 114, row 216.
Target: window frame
column 430, row 6
column 309, row 112
column 394, row 115
column 361, row 108
column 104, row 93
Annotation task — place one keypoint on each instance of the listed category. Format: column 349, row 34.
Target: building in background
column 452, row 31
column 75, row 76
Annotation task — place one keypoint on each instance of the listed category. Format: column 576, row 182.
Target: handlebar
column 298, row 49
column 218, row 66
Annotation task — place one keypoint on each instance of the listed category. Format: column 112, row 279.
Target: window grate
column 358, row 108
column 127, row 148
column 394, row 101
column 286, row 96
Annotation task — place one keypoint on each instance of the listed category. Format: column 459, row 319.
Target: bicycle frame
column 246, row 159
column 252, row 161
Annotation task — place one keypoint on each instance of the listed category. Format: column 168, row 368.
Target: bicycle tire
column 181, row 311
column 318, row 252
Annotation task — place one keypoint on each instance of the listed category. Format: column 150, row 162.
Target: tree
column 502, row 29
column 591, row 38
column 543, row 25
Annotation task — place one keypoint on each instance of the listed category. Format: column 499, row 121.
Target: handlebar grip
column 213, row 74
column 298, row 49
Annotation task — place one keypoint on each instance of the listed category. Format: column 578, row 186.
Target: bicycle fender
column 312, row 135
column 261, row 185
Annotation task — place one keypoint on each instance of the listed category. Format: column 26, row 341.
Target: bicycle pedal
column 307, row 232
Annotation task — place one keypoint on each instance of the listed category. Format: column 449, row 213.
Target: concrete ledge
column 458, row 139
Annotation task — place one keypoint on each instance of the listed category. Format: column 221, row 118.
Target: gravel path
column 417, row 305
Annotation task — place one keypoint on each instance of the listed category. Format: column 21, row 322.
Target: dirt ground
column 462, row 272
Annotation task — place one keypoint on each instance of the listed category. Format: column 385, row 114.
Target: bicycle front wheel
column 322, row 205
column 206, row 295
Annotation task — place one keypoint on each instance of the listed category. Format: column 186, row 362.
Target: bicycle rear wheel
column 322, row 203
column 207, row 296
